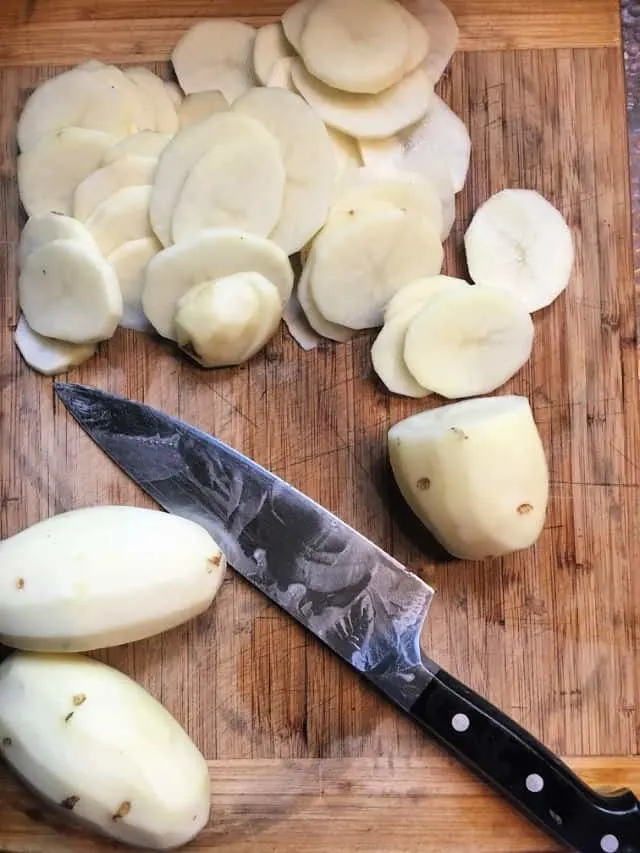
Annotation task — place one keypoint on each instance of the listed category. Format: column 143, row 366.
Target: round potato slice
column 46, row 227
column 122, row 217
column 46, row 355
column 147, row 143
column 238, row 183
column 371, row 116
column 360, row 46
column 210, row 255
column 69, row 292
column 309, row 162
column 419, row 41
column 439, row 22
column 130, row 261
column 99, row 185
column 387, row 356
column 216, row 54
column 269, row 48
column 294, row 20
column 199, row 106
column 50, row 171
column 360, row 265
column 153, row 91
column 318, row 323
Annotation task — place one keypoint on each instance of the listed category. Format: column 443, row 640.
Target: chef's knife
column 355, row 598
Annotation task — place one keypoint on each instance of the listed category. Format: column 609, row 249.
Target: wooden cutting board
column 304, row 757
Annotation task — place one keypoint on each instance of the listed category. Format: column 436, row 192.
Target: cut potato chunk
column 371, row 116
column 332, row 331
column 309, row 162
column 130, row 261
column 294, row 20
column 361, row 46
column 475, row 474
column 144, row 144
column 443, row 35
column 46, row 227
column 360, row 265
column 47, row 355
column 280, row 77
column 208, row 256
column 468, row 342
column 77, row 99
column 199, row 106
column 387, row 355
column 520, row 242
column 68, row 292
column 50, row 171
column 123, row 216
column 153, row 92
column 216, row 54
column 269, row 48
column 99, row 185
column 238, row 183
column 419, row 293
column 227, row 321
column 419, row 41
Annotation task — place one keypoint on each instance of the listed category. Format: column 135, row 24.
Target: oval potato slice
column 294, row 20
column 46, row 355
column 147, row 143
column 153, row 91
column 46, row 227
column 332, row 331
column 199, row 106
column 208, row 256
column 419, row 41
column 439, row 22
column 130, row 262
column 69, row 292
column 387, row 356
column 372, row 116
column 98, row 186
column 123, row 216
column 50, row 171
column 269, row 48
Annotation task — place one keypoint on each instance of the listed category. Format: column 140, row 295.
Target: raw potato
column 216, row 54
column 122, row 217
column 518, row 241
column 227, row 321
column 47, row 355
column 420, row 292
column 45, row 228
column 371, row 116
column 360, row 265
column 76, row 99
column 309, row 162
column 199, row 106
column 269, row 48
column 210, row 255
column 318, row 323
column 419, row 41
column 294, row 20
column 443, row 32
column 475, row 474
column 361, row 46
column 96, row 745
column 50, row 171
column 154, row 92
column 280, row 77
column 144, row 144
column 100, row 185
column 468, row 342
column 103, row 576
column 387, row 355
column 130, row 261
column 238, row 183
column 69, row 292
column 298, row 325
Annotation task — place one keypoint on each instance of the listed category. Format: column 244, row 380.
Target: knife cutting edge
column 358, row 600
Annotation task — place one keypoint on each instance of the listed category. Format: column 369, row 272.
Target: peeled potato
column 123, row 216
column 144, row 144
column 99, row 185
column 50, row 171
column 46, row 355
column 69, row 292
column 212, row 254
column 199, row 106
column 130, row 261
column 153, row 90
column 269, row 48
column 46, row 227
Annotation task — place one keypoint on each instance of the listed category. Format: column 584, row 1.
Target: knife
column 358, row 600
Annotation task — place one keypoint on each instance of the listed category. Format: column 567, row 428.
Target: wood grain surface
column 303, row 755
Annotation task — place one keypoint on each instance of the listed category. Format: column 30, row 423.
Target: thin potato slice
column 298, row 325
column 443, row 32
column 99, row 185
column 269, row 48
column 69, row 292
column 46, row 355
column 130, row 261
column 238, row 183
column 46, row 227
column 147, row 143
column 154, row 92
column 294, row 20
column 50, row 171
column 199, row 106
column 419, row 293
column 122, row 217
column 387, row 356
column 332, row 331
column 309, row 162
column 216, row 54
column 210, row 255
column 371, row 116
column 419, row 41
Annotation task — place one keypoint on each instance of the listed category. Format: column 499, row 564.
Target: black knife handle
column 525, row 771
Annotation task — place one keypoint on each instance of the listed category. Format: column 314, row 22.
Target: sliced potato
column 269, row 48
column 294, row 20
column 298, row 325
column 210, row 255
column 216, row 54
column 199, row 106
column 238, row 183
column 46, row 227
column 318, row 323
column 99, row 185
column 359, row 265
column 372, row 116
column 154, row 92
column 419, row 41
column 309, row 162
column 387, row 356
column 130, row 262
column 47, row 355
column 50, row 171
column 144, row 144
column 443, row 35
column 419, row 293
column 69, row 292
column 280, row 77
column 78, row 99
column 122, row 217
